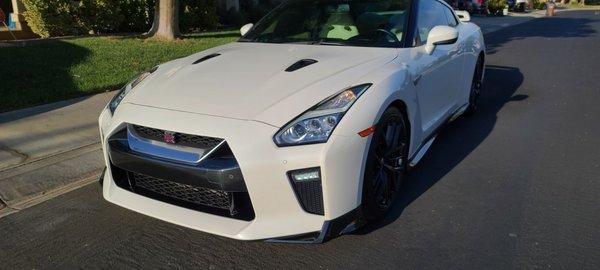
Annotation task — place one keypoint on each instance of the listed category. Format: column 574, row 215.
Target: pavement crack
column 14, row 152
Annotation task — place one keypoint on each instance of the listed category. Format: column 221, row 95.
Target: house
column 15, row 21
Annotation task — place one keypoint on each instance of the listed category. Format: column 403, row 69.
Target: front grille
column 196, row 195
column 182, row 139
column 215, row 186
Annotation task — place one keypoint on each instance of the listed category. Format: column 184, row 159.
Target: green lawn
column 53, row 70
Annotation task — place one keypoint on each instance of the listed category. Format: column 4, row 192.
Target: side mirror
column 440, row 35
column 463, row 16
column 244, row 30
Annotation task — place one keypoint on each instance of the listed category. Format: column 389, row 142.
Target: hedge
column 198, row 15
column 49, row 17
column 102, row 16
column 67, row 17
column 496, row 6
column 138, row 15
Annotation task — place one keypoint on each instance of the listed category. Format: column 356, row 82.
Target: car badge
column 169, row 137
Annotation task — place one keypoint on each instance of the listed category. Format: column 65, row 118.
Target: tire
column 385, row 168
column 475, row 91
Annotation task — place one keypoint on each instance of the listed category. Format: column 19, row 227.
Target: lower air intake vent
column 197, row 195
column 236, row 205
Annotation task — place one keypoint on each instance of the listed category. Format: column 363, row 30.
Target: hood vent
column 301, row 64
column 210, row 56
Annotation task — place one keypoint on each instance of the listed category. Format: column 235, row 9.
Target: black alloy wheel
column 386, row 165
column 476, row 86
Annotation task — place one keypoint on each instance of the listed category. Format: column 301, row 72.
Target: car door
column 459, row 58
column 437, row 74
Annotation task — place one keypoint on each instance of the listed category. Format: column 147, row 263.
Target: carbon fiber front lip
column 348, row 223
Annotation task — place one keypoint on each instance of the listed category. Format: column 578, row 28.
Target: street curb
column 50, row 194
column 36, row 181
column 41, row 161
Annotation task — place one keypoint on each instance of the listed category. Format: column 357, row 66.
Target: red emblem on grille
column 169, row 137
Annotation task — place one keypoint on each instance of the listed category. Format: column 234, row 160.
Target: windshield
column 366, row 23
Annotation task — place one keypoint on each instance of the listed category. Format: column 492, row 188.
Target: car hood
column 249, row 81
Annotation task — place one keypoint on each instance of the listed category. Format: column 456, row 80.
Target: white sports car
column 301, row 131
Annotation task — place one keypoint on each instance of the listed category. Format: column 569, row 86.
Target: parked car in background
column 520, row 5
column 301, row 131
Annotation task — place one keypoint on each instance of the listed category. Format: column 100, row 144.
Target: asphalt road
column 516, row 186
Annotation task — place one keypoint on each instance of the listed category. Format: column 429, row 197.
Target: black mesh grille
column 197, row 195
column 180, row 138
column 310, row 195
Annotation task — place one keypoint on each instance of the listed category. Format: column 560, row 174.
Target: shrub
column 541, row 5
column 257, row 11
column 198, row 15
column 65, row 17
column 496, row 6
column 234, row 17
column 100, row 16
column 49, row 17
column 138, row 15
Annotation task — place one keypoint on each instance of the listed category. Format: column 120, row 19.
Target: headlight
column 317, row 124
column 114, row 103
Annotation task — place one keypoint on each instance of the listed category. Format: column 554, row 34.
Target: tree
column 166, row 20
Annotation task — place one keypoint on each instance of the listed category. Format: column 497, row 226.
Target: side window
column 450, row 17
column 430, row 13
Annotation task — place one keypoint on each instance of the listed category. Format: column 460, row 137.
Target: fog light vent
column 307, row 186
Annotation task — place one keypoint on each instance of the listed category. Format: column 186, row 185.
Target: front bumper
column 264, row 166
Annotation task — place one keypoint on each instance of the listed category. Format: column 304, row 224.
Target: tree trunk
column 154, row 27
column 166, row 20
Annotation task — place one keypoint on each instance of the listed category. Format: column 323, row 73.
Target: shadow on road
column 463, row 136
column 458, row 140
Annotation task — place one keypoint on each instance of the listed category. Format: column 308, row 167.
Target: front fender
column 391, row 84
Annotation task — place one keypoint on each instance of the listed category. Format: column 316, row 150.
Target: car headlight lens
column 317, row 124
column 116, row 101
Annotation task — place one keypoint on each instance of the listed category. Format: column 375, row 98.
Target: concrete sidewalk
column 29, row 134
column 48, row 150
